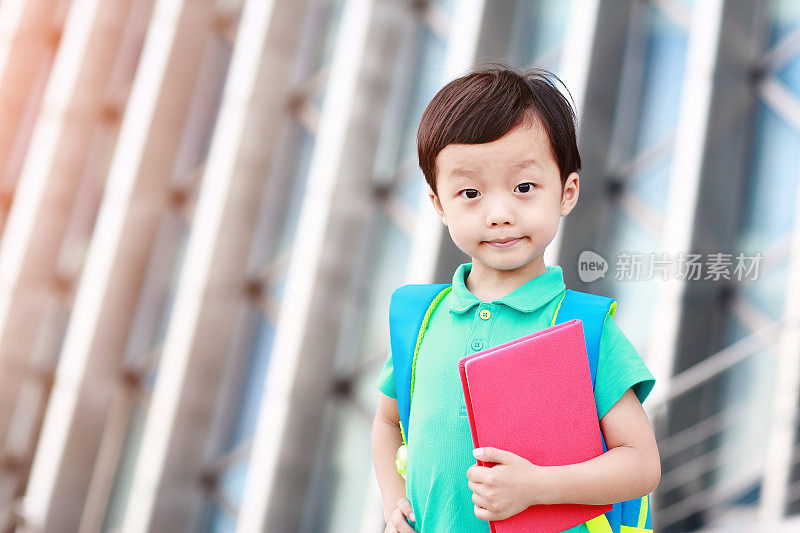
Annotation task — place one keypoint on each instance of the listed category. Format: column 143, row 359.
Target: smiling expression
column 502, row 201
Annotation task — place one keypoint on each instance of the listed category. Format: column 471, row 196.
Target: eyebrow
column 461, row 172
column 527, row 163
column 464, row 172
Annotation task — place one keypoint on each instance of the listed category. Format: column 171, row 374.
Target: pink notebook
column 533, row 397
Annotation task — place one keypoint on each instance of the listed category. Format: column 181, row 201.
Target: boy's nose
column 499, row 214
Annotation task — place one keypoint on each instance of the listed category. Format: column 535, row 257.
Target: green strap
column 401, row 460
column 643, row 511
column 422, row 329
column 599, row 524
column 555, row 315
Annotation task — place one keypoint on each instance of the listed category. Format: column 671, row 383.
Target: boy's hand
column 507, row 488
column 397, row 520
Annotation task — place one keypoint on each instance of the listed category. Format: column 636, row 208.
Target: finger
column 477, row 473
column 493, row 455
column 399, row 522
column 480, row 501
column 406, row 507
column 482, row 474
column 476, row 487
column 403, row 527
column 407, row 528
column 482, row 513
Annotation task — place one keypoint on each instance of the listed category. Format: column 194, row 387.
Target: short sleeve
column 385, row 381
column 619, row 368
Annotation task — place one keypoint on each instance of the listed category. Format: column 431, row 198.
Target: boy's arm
column 386, row 438
column 629, row 469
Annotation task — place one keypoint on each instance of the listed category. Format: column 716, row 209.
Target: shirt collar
column 528, row 297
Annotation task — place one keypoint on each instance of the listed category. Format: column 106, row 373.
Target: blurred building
column 205, row 206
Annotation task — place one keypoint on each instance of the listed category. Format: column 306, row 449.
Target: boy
column 499, row 153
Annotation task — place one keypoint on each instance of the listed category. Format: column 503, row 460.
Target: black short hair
column 487, row 103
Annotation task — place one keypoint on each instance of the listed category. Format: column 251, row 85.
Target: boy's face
column 509, row 188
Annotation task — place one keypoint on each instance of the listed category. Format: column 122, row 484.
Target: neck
column 489, row 284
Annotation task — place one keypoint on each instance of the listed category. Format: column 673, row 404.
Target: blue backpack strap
column 590, row 309
column 631, row 516
column 407, row 308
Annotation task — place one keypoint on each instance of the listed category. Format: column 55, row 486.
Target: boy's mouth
column 503, row 243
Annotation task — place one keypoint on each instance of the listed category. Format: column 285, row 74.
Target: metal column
column 214, row 276
column 136, row 194
column 32, row 269
column 337, row 203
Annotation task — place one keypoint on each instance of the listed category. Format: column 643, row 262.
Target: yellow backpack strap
column 599, row 524
column 644, row 515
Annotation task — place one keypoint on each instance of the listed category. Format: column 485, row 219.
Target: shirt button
column 485, row 314
column 477, row 344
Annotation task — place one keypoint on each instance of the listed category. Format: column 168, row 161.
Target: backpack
column 410, row 309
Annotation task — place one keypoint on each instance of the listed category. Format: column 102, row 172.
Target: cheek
column 459, row 233
column 547, row 220
column 462, row 231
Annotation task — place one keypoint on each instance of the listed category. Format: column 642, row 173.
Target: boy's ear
column 569, row 196
column 437, row 205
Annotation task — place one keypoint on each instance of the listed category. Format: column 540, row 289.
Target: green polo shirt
column 440, row 443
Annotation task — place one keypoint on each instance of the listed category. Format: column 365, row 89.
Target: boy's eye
column 471, row 193
column 525, row 187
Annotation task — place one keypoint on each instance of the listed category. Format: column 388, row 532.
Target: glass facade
column 641, row 156
column 767, row 224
